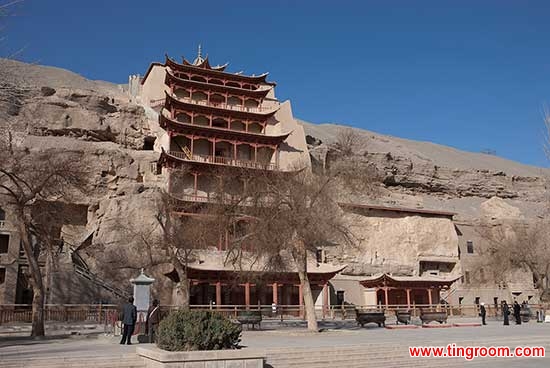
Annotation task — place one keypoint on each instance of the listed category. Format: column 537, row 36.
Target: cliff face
column 44, row 108
column 423, row 174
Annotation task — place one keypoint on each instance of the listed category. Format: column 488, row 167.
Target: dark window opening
column 2, row 275
column 470, row 246
column 149, row 143
column 4, row 243
column 340, row 297
column 460, row 299
column 477, row 300
column 2, row 215
column 319, row 256
column 495, row 301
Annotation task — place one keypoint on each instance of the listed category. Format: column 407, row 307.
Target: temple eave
column 221, row 133
column 216, row 87
column 190, row 67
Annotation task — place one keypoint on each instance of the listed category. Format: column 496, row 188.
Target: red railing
column 224, row 161
column 109, row 315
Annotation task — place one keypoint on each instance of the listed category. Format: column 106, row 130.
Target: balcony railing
column 267, row 108
column 223, row 161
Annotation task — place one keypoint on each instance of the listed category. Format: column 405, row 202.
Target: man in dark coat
column 482, row 313
column 505, row 313
column 153, row 320
column 517, row 312
column 129, row 317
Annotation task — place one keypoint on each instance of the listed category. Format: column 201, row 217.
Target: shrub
column 197, row 330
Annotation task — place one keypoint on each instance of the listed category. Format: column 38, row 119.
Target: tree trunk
column 309, row 304
column 181, row 290
column 37, row 284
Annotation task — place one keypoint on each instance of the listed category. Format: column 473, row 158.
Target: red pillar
column 429, row 296
column 408, row 298
column 192, row 144
column 247, row 294
column 386, row 296
column 325, row 299
column 218, row 294
column 235, row 151
column 275, row 293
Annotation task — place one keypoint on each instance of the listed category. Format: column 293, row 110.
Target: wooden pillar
column 235, row 151
column 247, row 294
column 277, row 156
column 192, row 118
column 275, row 293
column 214, row 147
column 218, row 294
column 192, row 144
column 429, row 296
column 408, row 297
column 255, row 153
column 325, row 299
column 386, row 296
column 195, row 184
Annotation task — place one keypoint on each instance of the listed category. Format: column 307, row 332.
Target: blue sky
column 470, row 74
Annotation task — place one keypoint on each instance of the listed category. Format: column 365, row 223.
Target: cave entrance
column 149, row 143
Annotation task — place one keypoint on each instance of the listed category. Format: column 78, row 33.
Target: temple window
column 2, row 275
column 2, row 215
column 470, row 247
column 234, row 101
column 181, row 93
column 4, row 243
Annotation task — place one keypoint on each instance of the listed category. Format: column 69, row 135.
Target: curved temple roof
column 188, row 67
column 189, row 106
column 385, row 279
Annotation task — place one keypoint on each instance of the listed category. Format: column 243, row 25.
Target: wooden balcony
column 219, row 160
column 269, row 107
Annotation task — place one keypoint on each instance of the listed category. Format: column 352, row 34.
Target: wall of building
column 9, row 265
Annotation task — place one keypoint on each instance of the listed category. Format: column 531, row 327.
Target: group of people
column 516, row 307
column 129, row 319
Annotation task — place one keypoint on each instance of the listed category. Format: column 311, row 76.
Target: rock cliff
column 43, row 108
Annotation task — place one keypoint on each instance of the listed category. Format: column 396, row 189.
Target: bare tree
column 288, row 216
column 31, row 185
column 348, row 141
column 517, row 246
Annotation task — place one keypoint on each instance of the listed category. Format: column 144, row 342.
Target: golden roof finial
column 199, row 58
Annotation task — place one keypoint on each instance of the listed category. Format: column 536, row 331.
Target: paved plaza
column 340, row 344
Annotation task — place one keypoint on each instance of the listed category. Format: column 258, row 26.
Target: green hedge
column 185, row 330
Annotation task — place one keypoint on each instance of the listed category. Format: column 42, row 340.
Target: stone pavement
column 341, row 344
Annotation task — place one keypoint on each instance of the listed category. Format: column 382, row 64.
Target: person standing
column 505, row 313
column 153, row 320
column 517, row 312
column 129, row 318
column 482, row 313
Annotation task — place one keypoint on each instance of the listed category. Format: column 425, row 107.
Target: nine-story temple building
column 213, row 118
